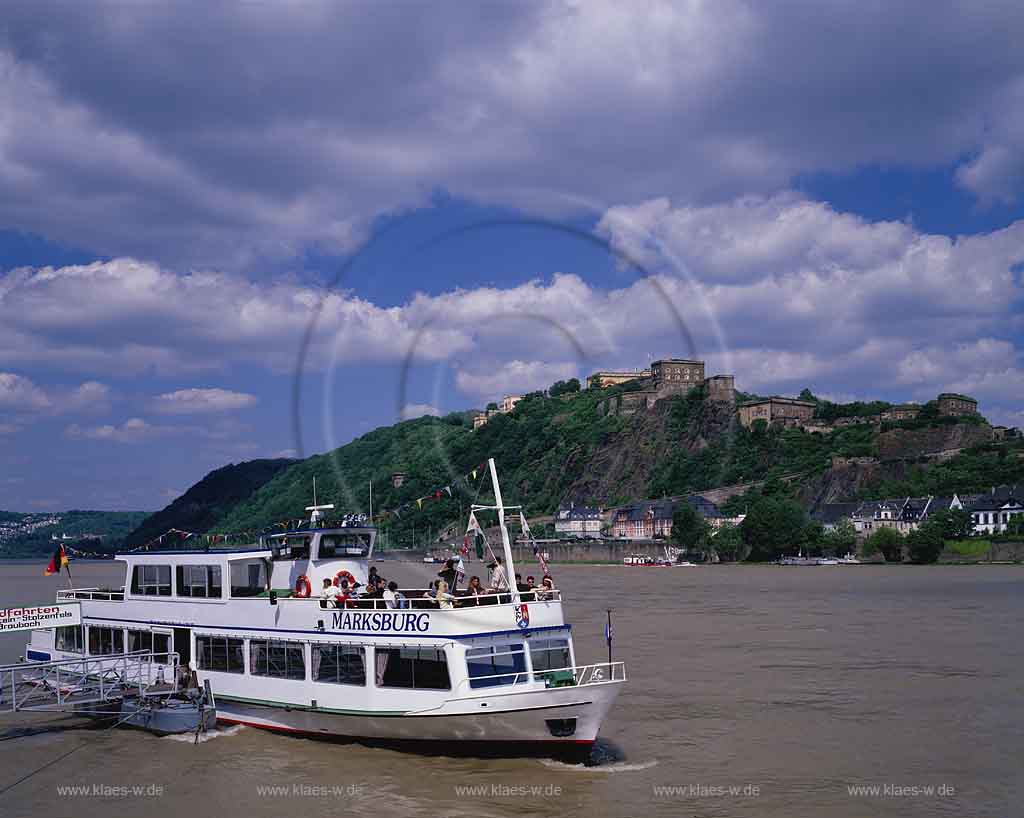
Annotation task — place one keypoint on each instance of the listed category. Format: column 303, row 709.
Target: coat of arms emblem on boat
column 522, row 616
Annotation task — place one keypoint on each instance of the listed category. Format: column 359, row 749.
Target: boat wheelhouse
column 498, row 670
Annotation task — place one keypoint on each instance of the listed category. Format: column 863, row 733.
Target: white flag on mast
column 536, row 549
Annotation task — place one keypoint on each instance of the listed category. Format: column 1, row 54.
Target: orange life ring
column 344, row 575
column 302, row 587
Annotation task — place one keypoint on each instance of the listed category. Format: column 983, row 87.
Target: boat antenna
column 316, row 509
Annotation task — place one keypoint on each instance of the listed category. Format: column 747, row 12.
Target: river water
column 753, row 691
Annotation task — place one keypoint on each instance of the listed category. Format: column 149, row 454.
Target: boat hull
column 564, row 720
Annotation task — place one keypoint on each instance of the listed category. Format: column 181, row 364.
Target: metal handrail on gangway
column 68, row 683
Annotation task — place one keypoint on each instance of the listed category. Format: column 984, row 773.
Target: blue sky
column 825, row 195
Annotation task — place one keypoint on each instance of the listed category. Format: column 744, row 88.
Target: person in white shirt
column 329, row 594
column 390, row 597
column 498, row 582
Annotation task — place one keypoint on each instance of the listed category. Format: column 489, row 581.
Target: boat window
column 105, row 641
column 158, row 643
column 349, row 544
column 340, row 664
column 69, row 637
column 272, row 657
column 500, row 663
column 151, row 580
column 549, row 654
column 221, row 653
column 248, row 577
column 199, row 581
column 425, row 668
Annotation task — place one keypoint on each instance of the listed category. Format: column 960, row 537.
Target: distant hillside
column 548, row 450
column 29, row 535
column 420, row 448
column 577, row 447
column 209, row 500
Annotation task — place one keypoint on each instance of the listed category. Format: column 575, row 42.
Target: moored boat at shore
column 495, row 673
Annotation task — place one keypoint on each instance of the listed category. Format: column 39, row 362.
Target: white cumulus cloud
column 543, row 104
column 513, row 377
column 20, row 393
column 192, row 401
column 133, row 430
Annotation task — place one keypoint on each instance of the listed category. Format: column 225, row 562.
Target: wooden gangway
column 67, row 684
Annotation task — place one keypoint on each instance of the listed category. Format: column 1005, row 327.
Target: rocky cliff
column 932, row 440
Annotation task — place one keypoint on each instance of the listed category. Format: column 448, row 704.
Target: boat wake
column 605, row 757
column 209, row 735
column 597, row 766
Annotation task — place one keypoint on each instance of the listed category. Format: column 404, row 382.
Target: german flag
column 60, row 560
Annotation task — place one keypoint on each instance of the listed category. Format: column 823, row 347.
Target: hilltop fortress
column 664, row 378
column 669, row 377
column 677, row 376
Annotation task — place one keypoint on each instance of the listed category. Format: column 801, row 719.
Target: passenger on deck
column 390, row 595
column 520, row 585
column 374, row 588
column 546, row 589
column 345, row 593
column 329, row 594
column 445, row 601
column 371, row 579
column 473, row 590
column 449, row 574
column 498, row 580
column 531, row 583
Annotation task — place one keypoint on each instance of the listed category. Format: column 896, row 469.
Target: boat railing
column 107, row 594
column 575, row 676
column 57, row 684
column 415, row 599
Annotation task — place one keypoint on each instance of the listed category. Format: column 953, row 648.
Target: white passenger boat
column 495, row 674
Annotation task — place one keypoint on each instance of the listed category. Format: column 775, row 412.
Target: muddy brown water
column 753, row 691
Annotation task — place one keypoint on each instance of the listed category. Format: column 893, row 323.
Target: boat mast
column 510, row 571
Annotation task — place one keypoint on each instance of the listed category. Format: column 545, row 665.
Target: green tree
column 689, row 529
column 842, row 539
column 887, row 541
column 564, row 387
column 924, row 544
column 492, row 406
column 728, row 544
column 814, row 538
column 952, row 524
column 773, row 527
